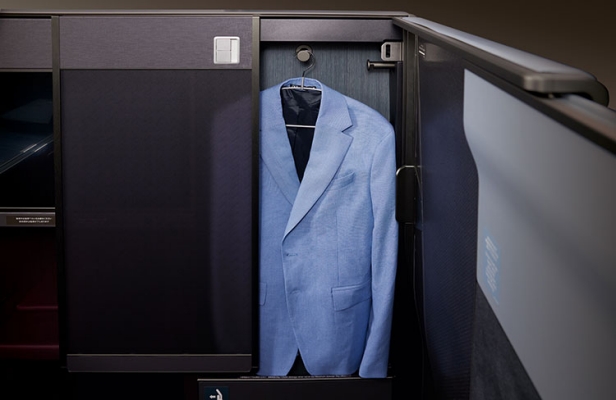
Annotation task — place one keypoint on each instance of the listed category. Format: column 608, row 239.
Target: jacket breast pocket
column 345, row 297
column 342, row 181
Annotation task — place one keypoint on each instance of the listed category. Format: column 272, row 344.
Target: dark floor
column 28, row 379
column 46, row 380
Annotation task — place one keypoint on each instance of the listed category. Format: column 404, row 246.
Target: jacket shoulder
column 367, row 119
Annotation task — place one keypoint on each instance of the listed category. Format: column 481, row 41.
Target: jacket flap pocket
column 347, row 296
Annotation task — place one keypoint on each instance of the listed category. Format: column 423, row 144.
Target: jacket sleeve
column 384, row 258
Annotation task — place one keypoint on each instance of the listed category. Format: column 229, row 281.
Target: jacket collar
column 329, row 146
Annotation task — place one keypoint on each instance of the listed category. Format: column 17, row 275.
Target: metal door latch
column 391, row 51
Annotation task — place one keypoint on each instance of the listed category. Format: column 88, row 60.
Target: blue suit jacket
column 328, row 246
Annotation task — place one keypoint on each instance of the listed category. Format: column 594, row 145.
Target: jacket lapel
column 329, row 148
column 275, row 149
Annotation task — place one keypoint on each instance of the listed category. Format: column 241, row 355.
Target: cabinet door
column 516, row 158
column 157, row 193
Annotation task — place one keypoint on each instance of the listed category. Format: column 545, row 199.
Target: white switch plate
column 226, row 50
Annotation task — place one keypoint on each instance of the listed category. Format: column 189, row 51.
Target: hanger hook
column 304, row 53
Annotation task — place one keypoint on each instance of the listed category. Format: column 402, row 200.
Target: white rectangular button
column 226, row 50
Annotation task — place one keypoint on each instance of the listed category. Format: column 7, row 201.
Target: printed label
column 30, row 220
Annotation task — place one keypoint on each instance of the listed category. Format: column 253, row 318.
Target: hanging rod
column 380, row 65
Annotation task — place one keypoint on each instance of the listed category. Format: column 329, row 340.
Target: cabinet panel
column 326, row 30
column 150, row 42
column 157, row 212
column 25, row 43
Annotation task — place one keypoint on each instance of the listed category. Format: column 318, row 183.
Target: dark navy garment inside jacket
column 300, row 107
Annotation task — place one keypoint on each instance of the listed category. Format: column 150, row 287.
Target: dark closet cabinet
column 129, row 205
